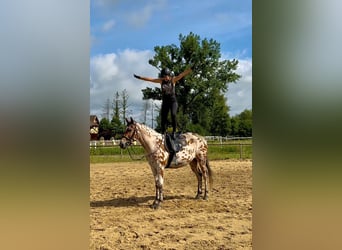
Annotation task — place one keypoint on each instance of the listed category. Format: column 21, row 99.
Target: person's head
column 166, row 73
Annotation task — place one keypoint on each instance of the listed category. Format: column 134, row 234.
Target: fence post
column 240, row 151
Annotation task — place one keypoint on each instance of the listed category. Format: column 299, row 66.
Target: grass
column 217, row 151
column 229, row 151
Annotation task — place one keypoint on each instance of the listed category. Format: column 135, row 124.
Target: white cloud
column 108, row 25
column 104, row 67
column 140, row 19
column 239, row 95
column 141, row 16
column 234, row 20
column 114, row 72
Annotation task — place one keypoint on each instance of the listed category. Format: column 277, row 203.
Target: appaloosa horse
column 193, row 152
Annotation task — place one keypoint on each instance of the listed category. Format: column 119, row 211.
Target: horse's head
column 130, row 134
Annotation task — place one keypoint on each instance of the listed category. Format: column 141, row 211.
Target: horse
column 194, row 152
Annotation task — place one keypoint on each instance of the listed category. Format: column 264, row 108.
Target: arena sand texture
column 121, row 217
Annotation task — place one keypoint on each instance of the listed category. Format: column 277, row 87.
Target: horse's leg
column 195, row 169
column 205, row 173
column 159, row 181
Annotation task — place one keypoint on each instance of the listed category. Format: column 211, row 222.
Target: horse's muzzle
column 124, row 144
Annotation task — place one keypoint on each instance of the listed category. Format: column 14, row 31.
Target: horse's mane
column 148, row 129
column 152, row 132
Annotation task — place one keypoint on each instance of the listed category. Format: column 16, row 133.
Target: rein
column 131, row 140
column 133, row 158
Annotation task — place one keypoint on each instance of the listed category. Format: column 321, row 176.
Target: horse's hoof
column 198, row 197
column 205, row 198
column 155, row 205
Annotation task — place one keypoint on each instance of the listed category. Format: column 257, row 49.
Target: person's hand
column 136, row 76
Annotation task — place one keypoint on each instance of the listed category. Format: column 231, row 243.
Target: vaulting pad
column 175, row 144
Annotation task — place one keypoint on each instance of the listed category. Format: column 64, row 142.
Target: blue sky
column 124, row 34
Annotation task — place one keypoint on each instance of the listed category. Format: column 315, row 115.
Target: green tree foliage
column 220, row 122
column 105, row 129
column 114, row 127
column 117, row 127
column 124, row 104
column 106, row 109
column 200, row 95
column 104, row 124
column 241, row 124
column 116, row 108
column 234, row 121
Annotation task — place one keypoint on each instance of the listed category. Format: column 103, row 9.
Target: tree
column 116, row 108
column 209, row 79
column 105, row 129
column 241, row 124
column 245, row 126
column 220, row 122
column 145, row 108
column 234, row 121
column 106, row 109
column 117, row 127
column 124, row 104
column 104, row 124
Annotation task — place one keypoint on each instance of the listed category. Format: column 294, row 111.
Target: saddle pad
column 175, row 144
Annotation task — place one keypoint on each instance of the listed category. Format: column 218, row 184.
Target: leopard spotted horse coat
column 194, row 152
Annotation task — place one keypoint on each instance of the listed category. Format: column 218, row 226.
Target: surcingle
column 174, row 142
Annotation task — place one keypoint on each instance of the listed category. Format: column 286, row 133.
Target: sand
column 121, row 216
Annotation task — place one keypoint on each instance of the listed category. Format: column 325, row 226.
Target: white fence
column 226, row 138
column 232, row 146
column 99, row 143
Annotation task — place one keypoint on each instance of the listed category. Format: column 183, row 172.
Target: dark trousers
column 169, row 104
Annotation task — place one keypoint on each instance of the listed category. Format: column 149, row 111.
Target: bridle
column 129, row 142
column 131, row 139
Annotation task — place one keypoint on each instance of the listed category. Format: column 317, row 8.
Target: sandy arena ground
column 121, row 217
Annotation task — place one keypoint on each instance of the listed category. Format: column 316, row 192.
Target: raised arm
column 155, row 80
column 181, row 75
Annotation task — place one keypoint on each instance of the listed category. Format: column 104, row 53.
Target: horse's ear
column 127, row 120
column 132, row 120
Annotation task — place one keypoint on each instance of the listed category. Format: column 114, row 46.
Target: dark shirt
column 168, row 89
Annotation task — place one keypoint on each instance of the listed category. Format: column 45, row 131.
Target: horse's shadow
column 133, row 201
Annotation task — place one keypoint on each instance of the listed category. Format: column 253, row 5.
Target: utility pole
column 152, row 112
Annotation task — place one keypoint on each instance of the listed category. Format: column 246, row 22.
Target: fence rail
column 210, row 139
column 219, row 148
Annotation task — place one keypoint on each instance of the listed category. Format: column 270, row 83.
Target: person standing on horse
column 169, row 100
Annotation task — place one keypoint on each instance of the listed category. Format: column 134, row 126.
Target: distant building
column 94, row 127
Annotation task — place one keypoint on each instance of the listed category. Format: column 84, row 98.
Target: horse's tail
column 210, row 173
